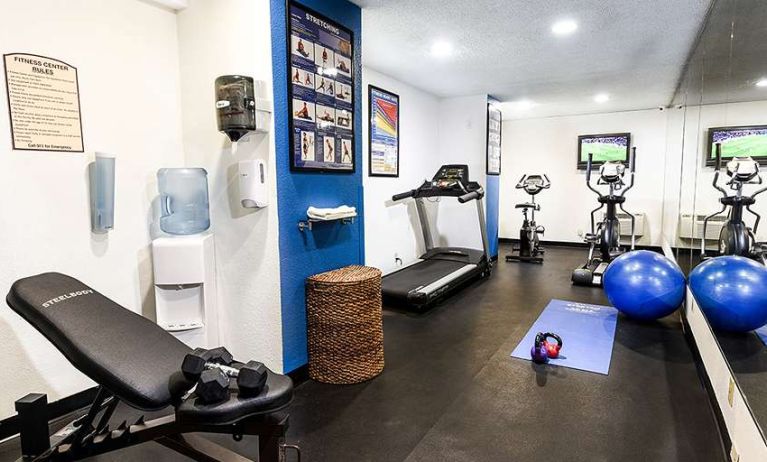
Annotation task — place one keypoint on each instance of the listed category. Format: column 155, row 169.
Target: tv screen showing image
column 612, row 146
column 738, row 142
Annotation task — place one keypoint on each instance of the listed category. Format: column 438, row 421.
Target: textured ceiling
column 634, row 50
column 730, row 57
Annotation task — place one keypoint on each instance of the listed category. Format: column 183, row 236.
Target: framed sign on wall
column 494, row 123
column 320, row 92
column 383, row 135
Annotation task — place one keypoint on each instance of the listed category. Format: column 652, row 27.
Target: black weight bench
column 136, row 362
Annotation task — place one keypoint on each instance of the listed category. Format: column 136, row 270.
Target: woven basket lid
column 352, row 273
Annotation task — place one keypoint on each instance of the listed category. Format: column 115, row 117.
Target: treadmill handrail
column 404, row 195
column 477, row 194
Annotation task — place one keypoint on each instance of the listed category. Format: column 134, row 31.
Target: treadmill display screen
column 453, row 172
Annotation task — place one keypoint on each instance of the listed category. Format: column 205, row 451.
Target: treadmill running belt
column 397, row 285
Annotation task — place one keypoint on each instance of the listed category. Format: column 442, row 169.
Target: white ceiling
column 634, row 50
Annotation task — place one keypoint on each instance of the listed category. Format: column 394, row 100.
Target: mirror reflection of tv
column 749, row 140
column 605, row 147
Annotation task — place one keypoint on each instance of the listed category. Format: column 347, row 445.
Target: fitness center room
column 383, row 230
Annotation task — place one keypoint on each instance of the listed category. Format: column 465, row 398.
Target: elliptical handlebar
column 632, row 170
column 588, row 175
column 718, row 168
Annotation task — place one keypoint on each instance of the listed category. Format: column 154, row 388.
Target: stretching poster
column 384, row 133
column 321, row 93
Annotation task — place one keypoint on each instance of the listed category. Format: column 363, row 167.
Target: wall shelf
column 309, row 222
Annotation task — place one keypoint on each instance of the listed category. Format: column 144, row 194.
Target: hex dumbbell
column 213, row 376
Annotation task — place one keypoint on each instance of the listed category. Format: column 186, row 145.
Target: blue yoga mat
column 587, row 331
column 762, row 333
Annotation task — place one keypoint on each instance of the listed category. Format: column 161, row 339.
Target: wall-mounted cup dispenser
column 102, row 180
column 183, row 200
column 235, row 105
column 252, row 175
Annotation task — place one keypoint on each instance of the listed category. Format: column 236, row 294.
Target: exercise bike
column 529, row 249
column 605, row 236
column 737, row 238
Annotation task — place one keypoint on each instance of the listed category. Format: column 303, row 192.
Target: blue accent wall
column 492, row 193
column 329, row 245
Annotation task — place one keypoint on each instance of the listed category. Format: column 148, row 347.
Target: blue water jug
column 183, row 200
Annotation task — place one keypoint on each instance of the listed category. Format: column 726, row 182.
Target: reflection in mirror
column 722, row 98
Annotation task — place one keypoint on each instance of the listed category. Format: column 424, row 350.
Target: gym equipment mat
column 587, row 331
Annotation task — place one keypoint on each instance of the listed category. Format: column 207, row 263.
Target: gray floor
column 450, row 391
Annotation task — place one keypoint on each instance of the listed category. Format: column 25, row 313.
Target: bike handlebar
column 519, row 183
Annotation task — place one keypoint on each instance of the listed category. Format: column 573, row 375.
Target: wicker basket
column 345, row 331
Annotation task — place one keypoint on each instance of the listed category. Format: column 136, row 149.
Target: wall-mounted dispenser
column 185, row 288
column 102, row 189
column 252, row 175
column 183, row 200
column 238, row 110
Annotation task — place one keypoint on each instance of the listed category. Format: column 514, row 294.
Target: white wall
column 219, row 38
column 127, row 60
column 393, row 228
column 462, row 140
column 549, row 145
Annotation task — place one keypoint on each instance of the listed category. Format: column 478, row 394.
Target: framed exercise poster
column 383, row 139
column 494, row 122
column 320, row 92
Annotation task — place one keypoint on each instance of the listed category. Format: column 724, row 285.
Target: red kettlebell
column 552, row 348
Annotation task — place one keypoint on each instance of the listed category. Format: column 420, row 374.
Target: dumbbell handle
column 227, row 370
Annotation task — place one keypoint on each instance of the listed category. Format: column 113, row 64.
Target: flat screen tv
column 610, row 146
column 742, row 141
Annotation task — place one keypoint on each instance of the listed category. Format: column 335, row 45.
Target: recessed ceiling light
column 762, row 82
column 564, row 27
column 441, row 49
column 602, row 98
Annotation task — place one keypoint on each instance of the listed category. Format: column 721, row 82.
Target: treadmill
column 441, row 270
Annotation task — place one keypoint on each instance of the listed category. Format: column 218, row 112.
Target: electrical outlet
column 397, row 259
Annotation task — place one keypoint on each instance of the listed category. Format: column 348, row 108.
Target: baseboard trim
column 299, row 375
column 57, row 409
column 578, row 245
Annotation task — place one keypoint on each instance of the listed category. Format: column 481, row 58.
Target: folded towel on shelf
column 335, row 213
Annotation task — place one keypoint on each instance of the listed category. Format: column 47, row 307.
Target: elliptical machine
column 736, row 238
column 605, row 236
column 529, row 249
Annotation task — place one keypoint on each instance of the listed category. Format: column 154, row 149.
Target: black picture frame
column 492, row 108
column 371, row 89
column 710, row 153
column 353, row 77
column 581, row 164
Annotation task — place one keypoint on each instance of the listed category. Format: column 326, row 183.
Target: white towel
column 336, row 213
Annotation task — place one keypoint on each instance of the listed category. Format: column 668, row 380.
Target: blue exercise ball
column 644, row 285
column 732, row 292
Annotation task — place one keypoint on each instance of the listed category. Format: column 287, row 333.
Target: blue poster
column 384, row 133
column 321, row 93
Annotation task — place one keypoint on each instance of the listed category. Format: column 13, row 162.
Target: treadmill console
column 450, row 180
